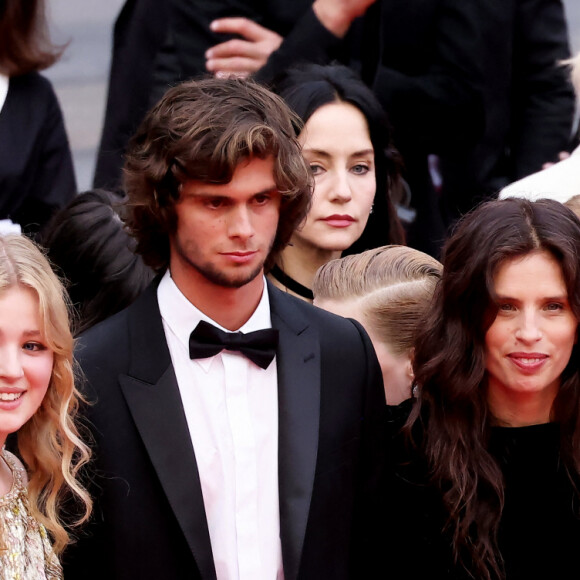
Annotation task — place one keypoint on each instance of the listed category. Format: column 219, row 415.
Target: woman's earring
column 371, row 210
column 414, row 390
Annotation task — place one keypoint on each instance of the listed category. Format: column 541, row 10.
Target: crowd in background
column 381, row 133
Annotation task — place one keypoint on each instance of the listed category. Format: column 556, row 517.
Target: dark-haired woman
column 347, row 143
column 485, row 473
column 36, row 171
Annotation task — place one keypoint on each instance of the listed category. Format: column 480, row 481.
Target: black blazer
column 149, row 515
column 36, row 169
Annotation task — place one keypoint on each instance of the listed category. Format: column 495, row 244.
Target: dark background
column 80, row 78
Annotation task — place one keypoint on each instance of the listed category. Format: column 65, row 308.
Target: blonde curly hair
column 49, row 443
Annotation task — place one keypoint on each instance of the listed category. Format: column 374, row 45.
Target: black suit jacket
column 149, row 515
column 36, row 169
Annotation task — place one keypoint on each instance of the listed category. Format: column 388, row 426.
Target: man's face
column 225, row 232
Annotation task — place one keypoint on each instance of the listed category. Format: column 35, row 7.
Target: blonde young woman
column 38, row 402
column 387, row 290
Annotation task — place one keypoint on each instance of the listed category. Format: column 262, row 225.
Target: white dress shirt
column 4, row 82
column 231, row 407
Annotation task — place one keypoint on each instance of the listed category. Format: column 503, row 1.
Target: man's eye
column 214, row 203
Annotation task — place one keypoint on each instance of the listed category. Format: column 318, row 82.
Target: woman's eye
column 360, row 169
column 33, row 346
column 506, row 307
column 554, row 306
column 316, row 169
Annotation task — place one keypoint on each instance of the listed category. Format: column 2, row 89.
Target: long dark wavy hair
column 450, row 359
column 309, row 87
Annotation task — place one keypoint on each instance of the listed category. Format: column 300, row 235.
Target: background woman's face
column 530, row 341
column 337, row 146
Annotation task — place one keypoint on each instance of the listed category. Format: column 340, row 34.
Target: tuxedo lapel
column 153, row 397
column 298, row 363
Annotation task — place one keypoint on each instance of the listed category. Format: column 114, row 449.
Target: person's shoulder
column 34, row 93
column 332, row 329
column 107, row 339
column 16, row 467
column 310, row 313
column 111, row 337
column 33, row 83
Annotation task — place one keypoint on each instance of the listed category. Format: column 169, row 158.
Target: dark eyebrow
column 318, row 152
column 322, row 153
column 363, row 153
column 563, row 297
column 273, row 189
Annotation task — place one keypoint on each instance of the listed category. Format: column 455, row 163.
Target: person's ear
column 409, row 365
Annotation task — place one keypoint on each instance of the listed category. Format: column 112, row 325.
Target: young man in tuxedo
column 237, row 430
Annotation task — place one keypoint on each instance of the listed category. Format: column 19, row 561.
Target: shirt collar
column 182, row 316
column 4, row 81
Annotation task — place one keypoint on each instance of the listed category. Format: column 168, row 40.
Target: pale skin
column 246, row 55
column 337, row 146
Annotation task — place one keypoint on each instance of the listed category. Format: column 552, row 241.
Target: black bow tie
column 260, row 346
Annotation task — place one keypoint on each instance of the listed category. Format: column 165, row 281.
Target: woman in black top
column 484, row 476
column 36, row 170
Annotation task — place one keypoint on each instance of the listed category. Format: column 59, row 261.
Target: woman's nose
column 10, row 364
column 529, row 328
column 341, row 190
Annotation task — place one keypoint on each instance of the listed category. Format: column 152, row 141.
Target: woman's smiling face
column 25, row 359
column 530, row 342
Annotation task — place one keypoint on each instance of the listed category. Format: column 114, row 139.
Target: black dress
column 539, row 534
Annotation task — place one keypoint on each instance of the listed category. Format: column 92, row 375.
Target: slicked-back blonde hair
column 49, row 442
column 393, row 286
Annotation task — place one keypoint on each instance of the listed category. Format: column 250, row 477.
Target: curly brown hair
column 202, row 130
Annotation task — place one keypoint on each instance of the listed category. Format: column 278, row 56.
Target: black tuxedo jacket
column 149, row 520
